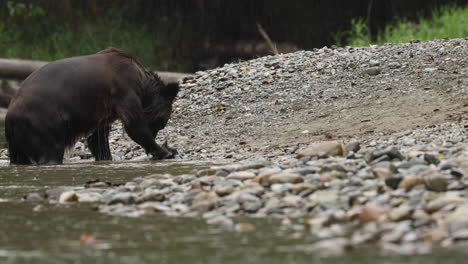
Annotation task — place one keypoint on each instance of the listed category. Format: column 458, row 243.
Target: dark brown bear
column 82, row 96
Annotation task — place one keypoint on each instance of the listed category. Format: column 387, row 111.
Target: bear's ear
column 170, row 90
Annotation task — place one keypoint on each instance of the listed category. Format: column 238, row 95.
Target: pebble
column 436, row 182
column 373, row 71
column 123, row 198
column 394, row 182
column 410, row 181
column 244, row 227
column 371, row 213
column 353, row 146
column 323, row 148
column 431, row 159
column 151, row 195
column 241, row 175
column 402, row 212
column 448, row 198
column 382, row 173
column 33, row 197
column 204, row 201
column 89, row 197
column 68, row 197
column 285, row 178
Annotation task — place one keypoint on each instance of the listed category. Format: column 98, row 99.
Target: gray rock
column 374, row 63
column 436, row 182
column 354, row 146
column 154, row 206
column 249, row 202
column 323, row 149
column 458, row 220
column 391, row 152
column 89, row 197
column 123, row 198
column 400, row 213
column 241, row 175
column 393, row 181
column 373, row 71
column 280, row 188
column 431, row 159
column 449, row 198
column 151, row 195
column 386, row 165
column 33, row 197
column 285, row 178
column 205, row 201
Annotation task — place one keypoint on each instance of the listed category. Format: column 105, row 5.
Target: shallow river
column 51, row 234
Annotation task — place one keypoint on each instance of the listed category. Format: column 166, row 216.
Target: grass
column 56, row 42
column 445, row 22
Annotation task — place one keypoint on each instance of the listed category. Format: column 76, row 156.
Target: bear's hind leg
column 98, row 143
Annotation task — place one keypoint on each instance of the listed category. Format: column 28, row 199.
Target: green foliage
column 23, row 9
column 27, row 33
column 446, row 22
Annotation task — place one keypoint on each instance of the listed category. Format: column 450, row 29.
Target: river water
column 41, row 232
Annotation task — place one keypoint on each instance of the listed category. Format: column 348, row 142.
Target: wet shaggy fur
column 82, row 96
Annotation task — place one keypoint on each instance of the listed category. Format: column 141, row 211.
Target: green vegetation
column 62, row 42
column 28, row 33
column 445, row 22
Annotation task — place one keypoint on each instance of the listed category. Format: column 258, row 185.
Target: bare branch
column 267, row 39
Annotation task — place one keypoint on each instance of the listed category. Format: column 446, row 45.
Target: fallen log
column 18, row 69
column 21, row 69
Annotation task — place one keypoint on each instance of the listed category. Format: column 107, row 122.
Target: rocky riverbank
column 406, row 193
column 354, row 145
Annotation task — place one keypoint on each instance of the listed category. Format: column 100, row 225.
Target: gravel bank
column 271, row 106
column 356, row 145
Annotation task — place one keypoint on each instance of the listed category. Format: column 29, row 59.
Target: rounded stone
column 285, row 177
column 410, row 181
column 436, row 182
column 67, row 197
column 371, row 213
column 241, row 175
column 323, row 149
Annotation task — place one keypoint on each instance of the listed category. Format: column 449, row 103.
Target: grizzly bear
column 81, row 97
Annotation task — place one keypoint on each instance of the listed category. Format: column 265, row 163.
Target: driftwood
column 20, row 69
column 267, row 39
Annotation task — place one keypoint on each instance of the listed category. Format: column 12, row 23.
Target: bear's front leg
column 139, row 132
column 138, row 129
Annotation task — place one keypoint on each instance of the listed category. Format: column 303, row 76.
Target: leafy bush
column 446, row 22
column 27, row 33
